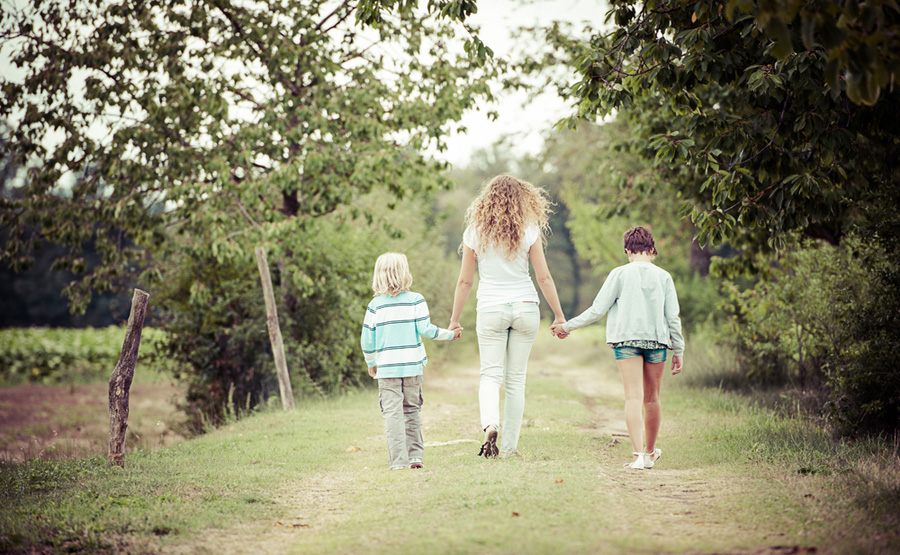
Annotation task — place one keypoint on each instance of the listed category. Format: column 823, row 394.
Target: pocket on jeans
column 491, row 321
column 529, row 318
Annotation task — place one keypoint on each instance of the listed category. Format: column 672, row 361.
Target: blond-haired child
column 395, row 322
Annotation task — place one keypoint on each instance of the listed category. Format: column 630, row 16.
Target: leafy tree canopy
column 227, row 123
column 759, row 136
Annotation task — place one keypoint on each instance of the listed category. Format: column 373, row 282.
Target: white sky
column 526, row 125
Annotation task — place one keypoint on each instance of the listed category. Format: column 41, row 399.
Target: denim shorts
column 650, row 355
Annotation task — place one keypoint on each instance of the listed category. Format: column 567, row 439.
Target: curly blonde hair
column 503, row 209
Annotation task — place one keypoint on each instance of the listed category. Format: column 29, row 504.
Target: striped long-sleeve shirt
column 392, row 334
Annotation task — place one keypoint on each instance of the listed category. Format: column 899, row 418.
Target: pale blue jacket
column 642, row 304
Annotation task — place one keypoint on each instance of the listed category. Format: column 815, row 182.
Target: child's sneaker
column 416, row 464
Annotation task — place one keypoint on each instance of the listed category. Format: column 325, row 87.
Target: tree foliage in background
column 176, row 136
column 758, row 139
column 771, row 122
column 859, row 38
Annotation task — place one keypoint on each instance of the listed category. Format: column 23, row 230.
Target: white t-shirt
column 501, row 280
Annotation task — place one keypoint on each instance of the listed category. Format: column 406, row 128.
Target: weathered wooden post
column 284, row 382
column 120, row 380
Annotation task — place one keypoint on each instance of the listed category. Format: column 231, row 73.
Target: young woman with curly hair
column 505, row 228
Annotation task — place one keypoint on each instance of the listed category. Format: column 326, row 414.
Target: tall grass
column 784, row 427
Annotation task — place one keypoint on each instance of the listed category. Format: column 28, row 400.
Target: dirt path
column 683, row 505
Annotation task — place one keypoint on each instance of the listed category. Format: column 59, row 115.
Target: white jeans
column 505, row 336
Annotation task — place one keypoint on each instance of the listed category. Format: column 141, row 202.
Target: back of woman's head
column 503, row 209
column 392, row 275
column 639, row 240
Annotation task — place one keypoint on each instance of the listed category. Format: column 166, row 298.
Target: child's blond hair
column 391, row 275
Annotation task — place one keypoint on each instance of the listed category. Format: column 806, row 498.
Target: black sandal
column 489, row 447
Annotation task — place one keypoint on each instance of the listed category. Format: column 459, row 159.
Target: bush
column 863, row 371
column 213, row 309
column 824, row 319
column 699, row 299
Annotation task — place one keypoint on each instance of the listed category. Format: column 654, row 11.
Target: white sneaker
column 651, row 457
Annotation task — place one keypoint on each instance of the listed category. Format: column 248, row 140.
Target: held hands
column 677, row 362
column 556, row 328
column 456, row 329
column 372, row 371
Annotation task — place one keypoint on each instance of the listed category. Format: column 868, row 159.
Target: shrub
column 825, row 319
column 214, row 311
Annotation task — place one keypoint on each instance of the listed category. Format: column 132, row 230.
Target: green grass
column 734, row 478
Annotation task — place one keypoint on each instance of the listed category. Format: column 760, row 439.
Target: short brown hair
column 639, row 240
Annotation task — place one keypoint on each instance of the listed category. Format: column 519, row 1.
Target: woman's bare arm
column 463, row 286
column 545, row 281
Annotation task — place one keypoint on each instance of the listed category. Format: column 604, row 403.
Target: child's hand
column 457, row 333
column 372, row 371
column 557, row 330
column 677, row 362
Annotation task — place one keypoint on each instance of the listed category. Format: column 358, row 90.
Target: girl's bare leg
column 632, row 370
column 653, row 376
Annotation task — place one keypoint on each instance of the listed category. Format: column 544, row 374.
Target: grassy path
column 316, row 480
column 567, row 494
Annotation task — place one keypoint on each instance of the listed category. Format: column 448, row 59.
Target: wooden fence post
column 120, row 380
column 284, row 381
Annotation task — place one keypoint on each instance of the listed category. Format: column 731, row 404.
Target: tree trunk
column 284, row 382
column 700, row 258
column 120, row 380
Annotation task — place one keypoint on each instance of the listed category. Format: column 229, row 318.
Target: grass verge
column 734, row 478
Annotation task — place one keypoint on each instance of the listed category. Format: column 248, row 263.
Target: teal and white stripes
column 392, row 334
